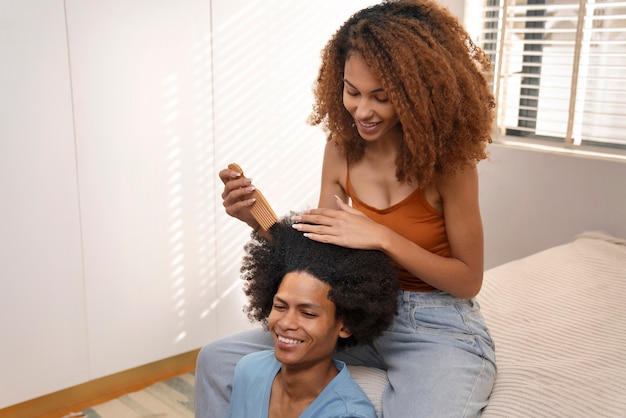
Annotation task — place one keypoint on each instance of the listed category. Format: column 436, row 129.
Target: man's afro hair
column 363, row 283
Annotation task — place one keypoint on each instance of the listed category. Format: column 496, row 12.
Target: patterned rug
column 171, row 398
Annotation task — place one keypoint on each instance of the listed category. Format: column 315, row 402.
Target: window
column 559, row 69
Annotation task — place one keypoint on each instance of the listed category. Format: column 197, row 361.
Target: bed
column 558, row 319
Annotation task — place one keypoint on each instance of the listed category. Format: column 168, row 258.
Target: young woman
column 312, row 298
column 403, row 93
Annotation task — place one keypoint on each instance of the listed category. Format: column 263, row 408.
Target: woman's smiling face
column 303, row 323
column 366, row 100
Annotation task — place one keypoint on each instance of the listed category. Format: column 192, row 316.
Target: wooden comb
column 261, row 209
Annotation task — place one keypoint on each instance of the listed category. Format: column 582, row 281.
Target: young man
column 313, row 298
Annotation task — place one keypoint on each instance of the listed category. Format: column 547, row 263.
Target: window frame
column 567, row 142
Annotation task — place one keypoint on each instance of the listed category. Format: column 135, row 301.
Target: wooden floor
column 74, row 400
column 80, row 406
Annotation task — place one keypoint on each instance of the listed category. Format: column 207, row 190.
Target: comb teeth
column 261, row 209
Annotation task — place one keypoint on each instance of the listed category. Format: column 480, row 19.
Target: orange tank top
column 416, row 220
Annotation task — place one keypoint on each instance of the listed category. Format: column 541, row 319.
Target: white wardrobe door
column 142, row 86
column 42, row 312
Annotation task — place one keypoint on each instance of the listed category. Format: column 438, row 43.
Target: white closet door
column 43, row 345
column 142, row 79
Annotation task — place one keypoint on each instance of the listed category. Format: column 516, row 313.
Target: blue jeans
column 438, row 354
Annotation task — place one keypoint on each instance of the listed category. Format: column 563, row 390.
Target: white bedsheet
column 558, row 319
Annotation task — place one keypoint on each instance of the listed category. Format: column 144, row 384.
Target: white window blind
column 559, row 69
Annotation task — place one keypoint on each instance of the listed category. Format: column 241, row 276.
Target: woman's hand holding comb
column 254, row 203
column 237, row 196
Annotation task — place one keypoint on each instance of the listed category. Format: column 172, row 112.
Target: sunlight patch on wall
column 175, row 206
column 265, row 64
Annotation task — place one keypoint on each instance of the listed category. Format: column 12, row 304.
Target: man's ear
column 344, row 332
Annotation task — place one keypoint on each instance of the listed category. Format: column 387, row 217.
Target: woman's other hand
column 344, row 226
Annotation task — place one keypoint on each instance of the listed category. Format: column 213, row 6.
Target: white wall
column 532, row 200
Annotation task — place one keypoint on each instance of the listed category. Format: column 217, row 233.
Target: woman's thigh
column 440, row 358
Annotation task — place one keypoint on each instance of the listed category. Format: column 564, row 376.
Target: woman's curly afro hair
column 363, row 283
column 434, row 75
